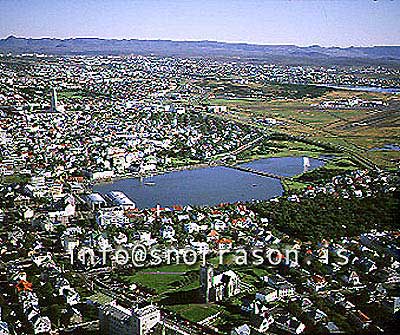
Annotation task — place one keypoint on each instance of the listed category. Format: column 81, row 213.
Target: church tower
column 54, row 102
column 206, row 281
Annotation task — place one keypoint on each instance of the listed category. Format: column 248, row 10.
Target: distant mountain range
column 288, row 54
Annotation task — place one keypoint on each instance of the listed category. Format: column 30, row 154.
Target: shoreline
column 197, row 166
column 156, row 173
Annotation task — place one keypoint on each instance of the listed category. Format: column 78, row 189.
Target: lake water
column 394, row 90
column 387, row 147
column 210, row 185
column 283, row 166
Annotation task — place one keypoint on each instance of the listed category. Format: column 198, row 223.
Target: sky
column 301, row 22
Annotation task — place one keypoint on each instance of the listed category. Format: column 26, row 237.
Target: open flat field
column 355, row 131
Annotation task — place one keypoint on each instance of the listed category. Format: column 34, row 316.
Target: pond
column 285, row 166
column 209, row 185
column 387, row 147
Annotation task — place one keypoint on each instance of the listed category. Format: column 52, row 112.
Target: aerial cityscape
column 185, row 167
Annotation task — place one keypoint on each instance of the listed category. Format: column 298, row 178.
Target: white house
column 167, row 232
column 317, row 282
column 41, row 324
column 241, row 330
column 219, row 225
column 289, row 324
column 191, row 227
column 200, row 247
column 269, row 294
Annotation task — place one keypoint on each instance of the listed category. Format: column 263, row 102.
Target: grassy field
column 178, row 277
column 324, row 173
column 233, row 102
column 230, row 310
column 195, row 312
column 71, row 94
column 277, row 148
column 171, row 278
column 177, row 162
column 16, row 178
column 356, row 130
column 100, row 298
column 176, row 287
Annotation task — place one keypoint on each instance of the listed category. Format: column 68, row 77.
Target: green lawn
column 176, row 162
column 15, row 178
column 173, row 277
column 236, row 101
column 340, row 164
column 275, row 148
column 161, row 283
column 71, row 94
column 100, row 298
column 195, row 312
column 293, row 186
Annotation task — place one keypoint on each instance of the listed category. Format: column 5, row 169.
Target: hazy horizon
column 188, row 40
column 333, row 23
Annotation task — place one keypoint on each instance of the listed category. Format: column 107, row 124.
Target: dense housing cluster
column 67, row 263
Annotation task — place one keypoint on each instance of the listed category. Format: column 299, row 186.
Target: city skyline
column 302, row 23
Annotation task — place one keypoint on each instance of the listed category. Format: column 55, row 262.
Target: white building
column 118, row 320
column 36, row 187
column 241, row 330
column 284, row 288
column 119, row 198
column 191, row 227
column 317, row 282
column 96, row 201
column 200, row 247
column 69, row 243
column 269, row 294
column 101, row 175
column 167, row 232
column 217, row 109
column 290, row 324
column 111, row 216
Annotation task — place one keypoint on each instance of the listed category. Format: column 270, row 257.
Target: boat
column 150, row 183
